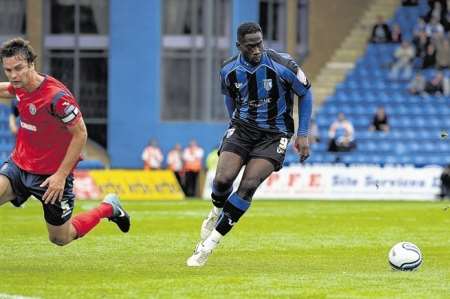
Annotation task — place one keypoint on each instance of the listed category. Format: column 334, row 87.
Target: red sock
column 86, row 221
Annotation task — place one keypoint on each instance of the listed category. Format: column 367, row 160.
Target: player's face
column 252, row 47
column 18, row 70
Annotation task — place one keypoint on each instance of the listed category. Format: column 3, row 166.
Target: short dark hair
column 247, row 28
column 18, row 46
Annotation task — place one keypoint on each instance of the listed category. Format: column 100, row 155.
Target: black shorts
column 249, row 142
column 25, row 184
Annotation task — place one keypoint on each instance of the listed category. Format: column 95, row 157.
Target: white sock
column 217, row 210
column 212, row 241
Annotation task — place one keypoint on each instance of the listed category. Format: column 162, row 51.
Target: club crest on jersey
column 32, row 109
column 267, row 84
column 230, row 132
column 237, row 85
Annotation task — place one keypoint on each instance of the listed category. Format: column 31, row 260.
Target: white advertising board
column 341, row 182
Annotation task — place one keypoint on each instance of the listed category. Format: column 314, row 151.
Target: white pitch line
column 10, row 296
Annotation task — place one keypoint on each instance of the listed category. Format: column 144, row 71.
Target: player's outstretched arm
column 4, row 93
column 57, row 181
column 12, row 124
column 304, row 119
column 79, row 138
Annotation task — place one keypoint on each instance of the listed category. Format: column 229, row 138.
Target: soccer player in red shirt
column 49, row 142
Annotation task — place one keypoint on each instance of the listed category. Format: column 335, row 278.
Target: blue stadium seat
column 391, row 159
column 90, row 164
column 415, row 120
column 405, row 159
column 419, row 160
column 319, row 146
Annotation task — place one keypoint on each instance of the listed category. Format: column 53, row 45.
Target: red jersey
column 45, row 113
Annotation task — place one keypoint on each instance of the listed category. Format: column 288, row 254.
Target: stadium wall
column 336, row 181
column 134, row 90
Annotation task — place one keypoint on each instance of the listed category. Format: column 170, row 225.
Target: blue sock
column 233, row 209
column 220, row 197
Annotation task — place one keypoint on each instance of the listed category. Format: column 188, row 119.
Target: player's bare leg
column 82, row 223
column 6, row 191
column 62, row 234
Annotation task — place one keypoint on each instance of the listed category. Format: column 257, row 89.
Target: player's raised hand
column 55, row 188
column 301, row 144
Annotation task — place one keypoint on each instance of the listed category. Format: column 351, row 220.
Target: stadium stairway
column 416, row 121
column 345, row 57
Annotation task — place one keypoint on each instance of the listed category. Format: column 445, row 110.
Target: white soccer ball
column 405, row 256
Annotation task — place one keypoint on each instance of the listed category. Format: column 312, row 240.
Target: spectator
column 380, row 121
column 429, row 59
column 443, row 53
column 445, row 183
column 434, row 27
column 175, row 163
column 417, row 85
column 410, row 2
column 446, row 22
column 446, row 86
column 380, row 32
column 341, row 135
column 437, row 38
column 192, row 157
column 439, row 84
column 420, row 26
column 396, row 34
column 152, row 156
column 404, row 56
column 421, row 42
column 314, row 135
column 437, row 10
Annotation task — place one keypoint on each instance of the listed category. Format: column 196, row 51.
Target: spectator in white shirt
column 175, row 163
column 152, row 156
column 341, row 135
column 404, row 56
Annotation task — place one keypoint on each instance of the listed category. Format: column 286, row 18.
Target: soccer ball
column 405, row 256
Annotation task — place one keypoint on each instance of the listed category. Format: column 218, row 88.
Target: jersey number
column 281, row 149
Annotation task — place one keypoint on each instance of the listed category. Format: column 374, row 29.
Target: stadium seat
column 90, row 164
column 416, row 121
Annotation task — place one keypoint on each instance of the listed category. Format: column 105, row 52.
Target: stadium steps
column 416, row 122
column 95, row 152
column 351, row 49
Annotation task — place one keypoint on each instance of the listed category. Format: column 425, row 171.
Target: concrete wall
column 330, row 22
column 134, row 87
column 134, row 90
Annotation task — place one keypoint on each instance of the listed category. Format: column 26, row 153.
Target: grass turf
column 295, row 249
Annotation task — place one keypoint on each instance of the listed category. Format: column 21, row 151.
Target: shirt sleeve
column 224, row 85
column 300, row 83
column 65, row 108
column 11, row 89
column 304, row 113
column 296, row 78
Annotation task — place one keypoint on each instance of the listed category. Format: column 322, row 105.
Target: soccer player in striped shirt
column 259, row 85
column 48, row 146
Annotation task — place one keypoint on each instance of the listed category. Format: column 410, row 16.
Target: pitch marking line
column 10, row 296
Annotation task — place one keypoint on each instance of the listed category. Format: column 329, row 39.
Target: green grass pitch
column 279, row 249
